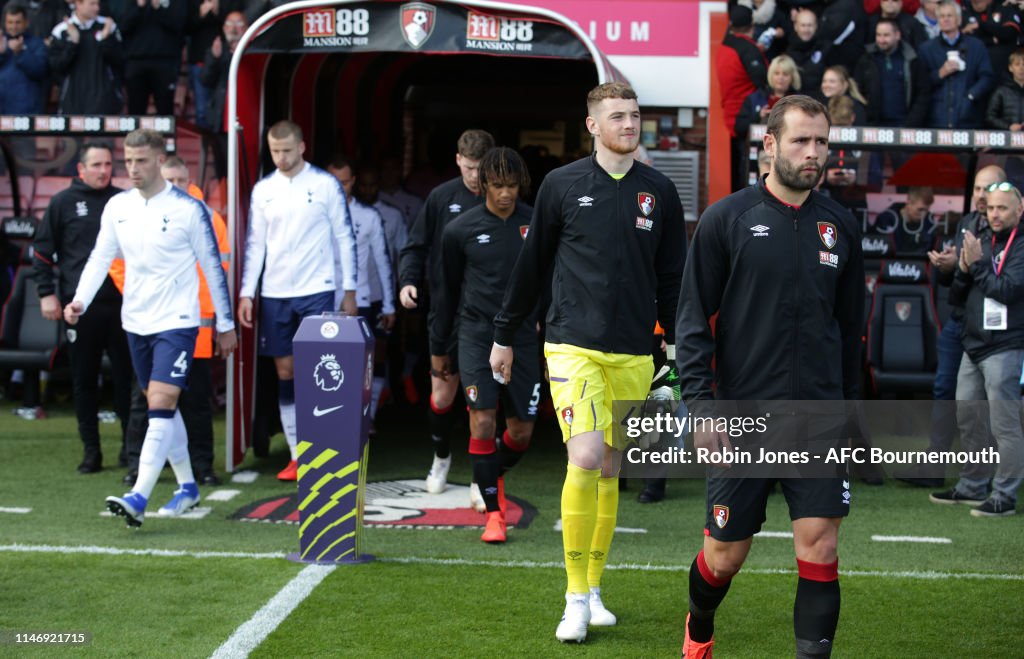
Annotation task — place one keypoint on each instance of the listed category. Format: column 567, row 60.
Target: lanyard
column 1006, row 251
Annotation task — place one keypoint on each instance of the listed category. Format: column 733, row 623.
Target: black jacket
column 976, row 224
column 65, row 239
column 999, row 28
column 214, row 75
column 810, row 58
column 154, row 33
column 917, row 86
column 423, row 249
column 1006, row 106
column 841, row 25
column 789, row 304
column 616, row 250
column 981, row 282
column 91, row 69
column 479, row 250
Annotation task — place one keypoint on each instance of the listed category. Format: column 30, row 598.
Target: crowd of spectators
column 113, row 56
column 933, row 64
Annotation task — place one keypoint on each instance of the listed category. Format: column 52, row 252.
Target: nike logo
column 327, row 410
column 366, row 409
column 177, row 375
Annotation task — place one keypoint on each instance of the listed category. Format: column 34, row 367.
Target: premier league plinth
column 333, row 372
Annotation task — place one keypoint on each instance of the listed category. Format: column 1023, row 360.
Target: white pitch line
column 912, row 538
column 221, row 495
column 117, row 551
column 426, row 560
column 16, row 511
column 774, row 534
column 618, row 529
column 252, row 632
column 244, row 477
column 646, row 567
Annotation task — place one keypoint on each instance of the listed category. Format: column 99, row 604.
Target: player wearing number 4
column 611, row 231
column 478, row 250
column 161, row 233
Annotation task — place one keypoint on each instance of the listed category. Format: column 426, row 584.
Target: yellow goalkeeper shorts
column 585, row 383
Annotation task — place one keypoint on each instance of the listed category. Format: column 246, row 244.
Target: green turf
column 389, row 609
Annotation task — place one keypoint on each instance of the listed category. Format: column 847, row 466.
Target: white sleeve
column 106, row 249
column 255, row 248
column 382, row 261
column 204, row 245
column 344, row 236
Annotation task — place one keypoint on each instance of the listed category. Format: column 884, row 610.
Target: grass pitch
column 157, row 592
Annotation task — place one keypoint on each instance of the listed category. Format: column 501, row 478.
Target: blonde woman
column 838, row 82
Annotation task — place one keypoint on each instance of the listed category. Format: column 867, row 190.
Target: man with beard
column 781, row 266
column 611, row 232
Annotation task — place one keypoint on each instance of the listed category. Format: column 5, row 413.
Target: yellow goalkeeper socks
column 579, row 513
column 604, row 529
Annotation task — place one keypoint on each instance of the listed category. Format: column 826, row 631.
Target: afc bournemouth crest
column 827, row 233
column 721, row 515
column 567, row 415
column 471, row 393
column 903, row 311
column 523, row 230
column 645, row 200
column 418, row 20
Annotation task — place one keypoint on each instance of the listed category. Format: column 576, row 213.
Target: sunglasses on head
column 1005, row 186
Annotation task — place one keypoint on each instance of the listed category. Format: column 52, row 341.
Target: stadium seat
column 27, row 340
column 46, row 188
column 902, row 330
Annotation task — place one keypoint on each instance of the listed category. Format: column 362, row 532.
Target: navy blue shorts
column 164, row 356
column 280, row 318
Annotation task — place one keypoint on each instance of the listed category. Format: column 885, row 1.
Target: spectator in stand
column 960, row 72
column 911, row 224
column 23, row 64
column 44, row 15
column 740, row 68
column 927, row 17
column 1006, row 107
column 86, row 49
column 214, row 75
column 837, row 82
column 205, row 22
column 849, row 174
column 154, row 33
column 842, row 28
column 806, row 48
column 872, row 7
column 997, row 24
column 893, row 80
column 912, row 30
column 783, row 79
column 256, row 8
column 769, row 28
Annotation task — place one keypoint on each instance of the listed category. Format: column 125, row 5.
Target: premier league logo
column 418, row 20
column 645, row 200
column 827, row 233
column 328, row 374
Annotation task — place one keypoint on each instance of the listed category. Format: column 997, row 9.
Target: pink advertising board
column 637, row 27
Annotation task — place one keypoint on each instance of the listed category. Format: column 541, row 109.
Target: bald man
column 950, row 346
